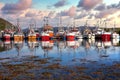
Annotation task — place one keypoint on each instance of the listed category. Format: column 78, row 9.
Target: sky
column 93, row 12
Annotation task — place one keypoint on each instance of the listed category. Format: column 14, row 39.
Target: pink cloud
column 1, row 5
column 72, row 11
column 88, row 4
column 17, row 7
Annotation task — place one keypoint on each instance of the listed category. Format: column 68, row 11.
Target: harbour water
column 79, row 59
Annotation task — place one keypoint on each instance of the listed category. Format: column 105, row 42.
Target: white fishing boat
column 115, row 35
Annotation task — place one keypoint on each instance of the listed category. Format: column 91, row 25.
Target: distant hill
column 4, row 23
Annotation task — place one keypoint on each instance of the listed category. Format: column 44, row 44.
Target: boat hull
column 70, row 37
column 45, row 36
column 18, row 37
column 98, row 36
column 106, row 37
column 6, row 37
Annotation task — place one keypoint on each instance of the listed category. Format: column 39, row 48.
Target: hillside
column 4, row 24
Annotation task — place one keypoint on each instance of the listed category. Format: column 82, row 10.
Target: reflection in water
column 8, row 45
column 18, row 46
column 78, row 49
column 47, row 46
column 32, row 45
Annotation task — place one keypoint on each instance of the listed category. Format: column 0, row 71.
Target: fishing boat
column 98, row 33
column 18, row 35
column 45, row 36
column 6, row 35
column 114, row 35
column 87, row 33
column 76, row 31
column 70, row 36
column 31, row 34
column 61, row 32
column 36, row 30
column 106, row 35
column 47, row 29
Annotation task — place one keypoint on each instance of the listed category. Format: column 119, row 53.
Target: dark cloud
column 29, row 14
column 17, row 7
column 101, row 7
column 60, row 3
column 107, row 10
column 88, row 4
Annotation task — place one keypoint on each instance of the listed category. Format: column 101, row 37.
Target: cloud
column 107, row 10
column 1, row 5
column 81, row 15
column 17, row 7
column 52, row 14
column 34, row 13
column 106, row 13
column 101, row 7
column 60, row 3
column 88, row 4
column 71, row 12
column 114, row 6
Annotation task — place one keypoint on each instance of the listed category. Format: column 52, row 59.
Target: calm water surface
column 81, row 51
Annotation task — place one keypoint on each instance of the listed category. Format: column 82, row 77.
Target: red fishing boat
column 47, row 28
column 6, row 34
column 70, row 36
column 106, row 36
column 45, row 36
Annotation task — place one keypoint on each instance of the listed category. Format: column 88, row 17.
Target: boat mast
column 105, row 24
column 18, row 25
column 60, row 22
column 73, row 22
column 114, row 26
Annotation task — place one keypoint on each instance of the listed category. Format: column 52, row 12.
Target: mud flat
column 36, row 68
